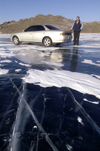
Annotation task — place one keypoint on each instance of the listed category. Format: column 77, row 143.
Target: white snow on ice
column 5, row 61
column 95, row 102
column 17, row 70
column 61, row 78
column 3, row 71
column 80, row 120
column 90, row 62
column 23, row 64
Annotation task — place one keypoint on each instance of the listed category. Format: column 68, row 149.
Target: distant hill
column 58, row 21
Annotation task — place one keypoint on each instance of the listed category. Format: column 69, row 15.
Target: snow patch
column 95, row 102
column 23, row 64
column 17, row 70
column 3, row 71
column 7, row 61
column 60, row 78
column 80, row 120
column 90, row 62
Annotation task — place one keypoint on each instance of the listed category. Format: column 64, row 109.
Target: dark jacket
column 77, row 27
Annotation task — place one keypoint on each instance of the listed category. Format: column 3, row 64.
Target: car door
column 28, row 34
column 39, row 33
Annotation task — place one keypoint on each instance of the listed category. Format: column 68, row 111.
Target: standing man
column 77, row 27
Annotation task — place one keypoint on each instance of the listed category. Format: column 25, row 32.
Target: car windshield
column 52, row 27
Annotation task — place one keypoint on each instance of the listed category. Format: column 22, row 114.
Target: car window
column 39, row 28
column 31, row 28
column 52, row 27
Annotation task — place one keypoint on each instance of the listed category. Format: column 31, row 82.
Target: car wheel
column 16, row 40
column 47, row 42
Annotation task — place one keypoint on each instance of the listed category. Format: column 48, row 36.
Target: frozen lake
column 50, row 97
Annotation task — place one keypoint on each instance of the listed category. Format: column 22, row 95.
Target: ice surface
column 50, row 97
column 29, row 55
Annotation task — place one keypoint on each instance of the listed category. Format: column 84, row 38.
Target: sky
column 88, row 10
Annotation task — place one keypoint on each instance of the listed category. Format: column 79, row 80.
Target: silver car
column 46, row 34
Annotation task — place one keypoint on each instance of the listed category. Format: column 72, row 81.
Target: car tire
column 16, row 40
column 47, row 41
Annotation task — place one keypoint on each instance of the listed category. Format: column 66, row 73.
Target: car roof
column 41, row 25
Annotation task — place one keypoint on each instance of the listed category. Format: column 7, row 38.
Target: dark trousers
column 76, row 37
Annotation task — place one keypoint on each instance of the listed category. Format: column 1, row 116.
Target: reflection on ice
column 34, row 57
column 56, row 58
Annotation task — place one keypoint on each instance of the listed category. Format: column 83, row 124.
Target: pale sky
column 88, row 10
